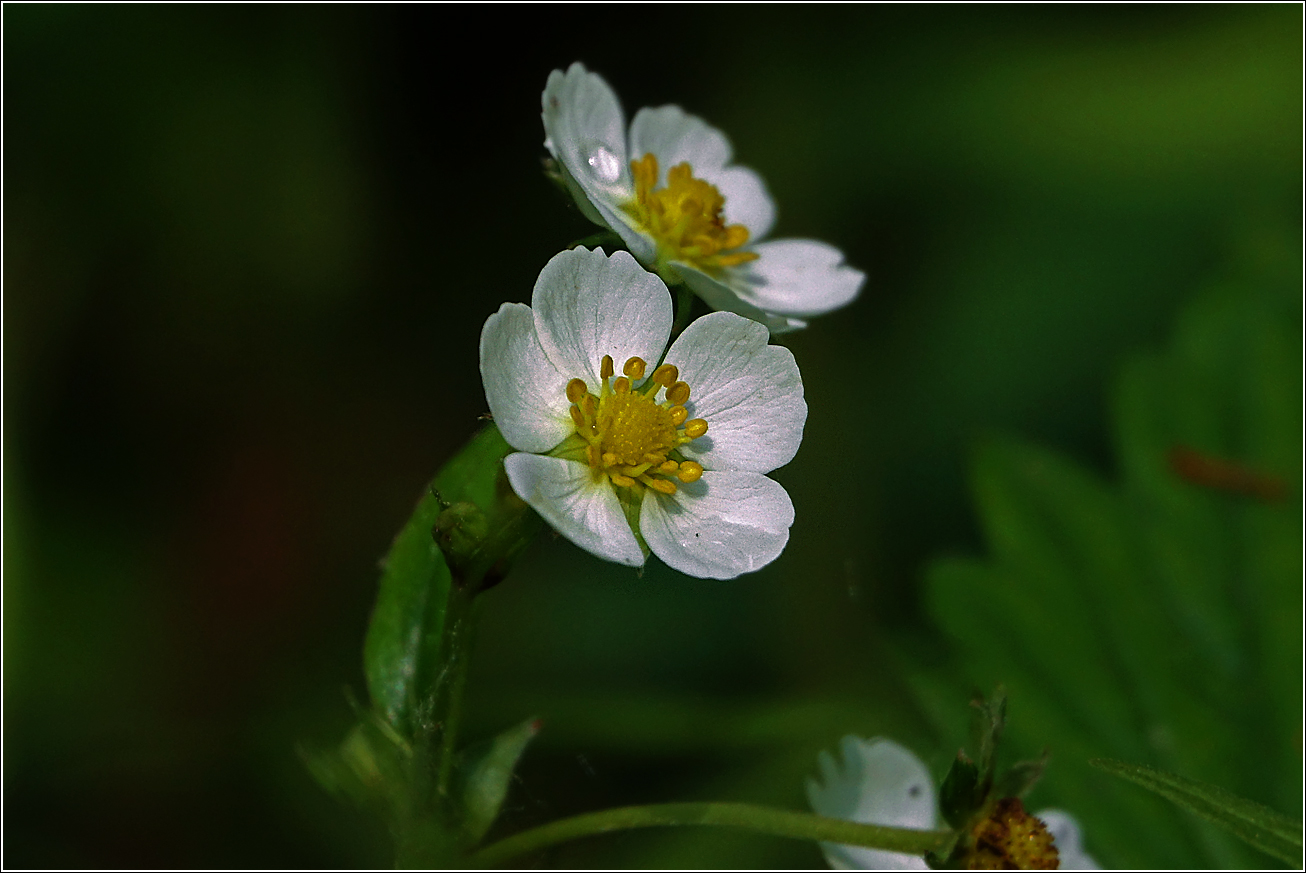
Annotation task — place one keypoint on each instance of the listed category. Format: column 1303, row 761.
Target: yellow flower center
column 685, row 218
column 628, row 435
column 1012, row 839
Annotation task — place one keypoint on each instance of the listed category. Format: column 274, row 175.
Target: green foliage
column 1158, row 618
column 486, row 773
column 959, row 796
column 1271, row 832
column 403, row 643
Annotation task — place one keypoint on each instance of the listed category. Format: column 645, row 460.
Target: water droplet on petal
column 605, row 165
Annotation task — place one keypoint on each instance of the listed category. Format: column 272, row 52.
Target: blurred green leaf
column 1157, row 619
column 1271, row 832
column 486, row 774
column 1023, row 776
column 402, row 649
column 959, row 796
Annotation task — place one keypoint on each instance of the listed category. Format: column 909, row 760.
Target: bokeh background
column 247, row 255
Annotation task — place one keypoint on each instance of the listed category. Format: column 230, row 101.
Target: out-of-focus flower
column 669, row 458
column 668, row 189
column 880, row 782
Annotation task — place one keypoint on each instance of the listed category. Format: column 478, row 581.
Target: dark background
column 247, row 255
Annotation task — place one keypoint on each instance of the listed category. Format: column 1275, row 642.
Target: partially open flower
column 622, row 454
column 880, row 782
column 668, row 189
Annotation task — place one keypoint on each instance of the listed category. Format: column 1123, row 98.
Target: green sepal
column 1255, row 824
column 604, row 239
column 959, row 796
column 484, row 773
column 987, row 722
column 1023, row 775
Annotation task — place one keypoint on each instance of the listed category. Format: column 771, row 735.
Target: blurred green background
column 247, row 255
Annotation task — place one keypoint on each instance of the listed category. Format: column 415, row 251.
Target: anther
column 605, row 368
column 589, row 405
column 618, row 479
column 621, row 385
column 695, row 428
column 668, row 467
column 690, row 471
column 634, row 368
column 663, row 485
column 609, row 459
column 678, row 415
column 592, row 455
column 667, row 374
column 578, row 417
column 678, row 394
column 654, row 458
column 576, row 390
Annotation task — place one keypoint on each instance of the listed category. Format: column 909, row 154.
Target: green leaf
column 486, row 774
column 1154, row 616
column 402, row 649
column 1271, row 832
column 959, row 796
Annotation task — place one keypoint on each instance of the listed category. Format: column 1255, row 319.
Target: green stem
column 758, row 819
column 684, row 306
column 460, row 635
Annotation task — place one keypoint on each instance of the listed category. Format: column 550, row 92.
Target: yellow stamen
column 678, row 394
column 666, row 375
column 634, row 368
column 690, row 471
column 686, row 217
column 629, row 434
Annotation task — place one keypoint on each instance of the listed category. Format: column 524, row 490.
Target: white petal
column 749, row 393
column 721, row 526
column 881, row 783
column 673, row 136
column 721, row 296
column 581, row 508
column 526, row 393
column 588, row 305
column 747, row 200
column 801, row 278
column 1065, row 833
column 585, row 130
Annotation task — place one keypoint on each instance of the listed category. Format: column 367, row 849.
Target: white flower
column 613, row 467
column 880, row 782
column 669, row 191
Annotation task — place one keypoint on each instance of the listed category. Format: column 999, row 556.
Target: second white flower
column 618, row 453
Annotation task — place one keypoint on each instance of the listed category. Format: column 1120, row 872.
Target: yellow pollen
column 685, row 217
column 678, row 394
column 576, row 390
column 634, row 368
column 666, row 375
column 629, row 434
